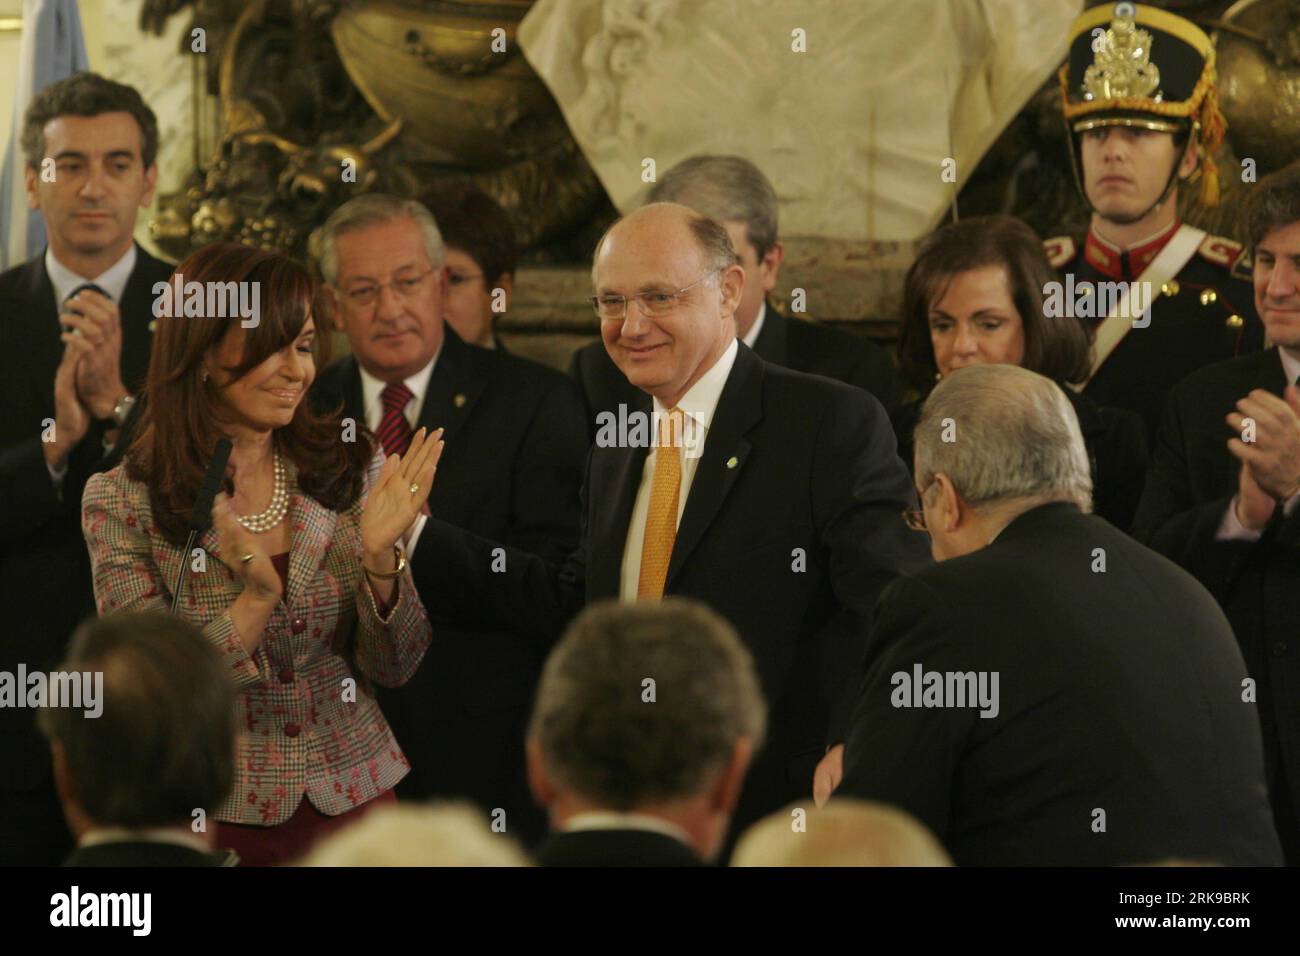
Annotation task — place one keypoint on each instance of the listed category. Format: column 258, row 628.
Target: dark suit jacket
column 614, row 848
column 147, row 853
column 1118, row 691
column 790, row 531
column 1191, row 482
column 1115, row 439
column 791, row 343
column 511, row 471
column 44, row 569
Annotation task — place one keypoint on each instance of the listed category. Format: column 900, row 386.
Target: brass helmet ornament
column 1148, row 69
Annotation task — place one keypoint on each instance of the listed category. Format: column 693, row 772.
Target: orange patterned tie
column 661, row 519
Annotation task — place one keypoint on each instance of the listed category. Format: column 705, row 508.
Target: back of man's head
column 163, row 745
column 645, row 704
column 726, row 189
column 845, row 832
column 451, row 834
column 1002, row 433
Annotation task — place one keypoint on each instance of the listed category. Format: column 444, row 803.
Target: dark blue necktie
column 77, row 291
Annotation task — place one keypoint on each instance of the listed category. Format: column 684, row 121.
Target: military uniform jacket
column 1205, row 314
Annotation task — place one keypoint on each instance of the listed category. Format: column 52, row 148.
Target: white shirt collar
column 1290, row 365
column 158, row 835
column 612, row 820
column 701, row 399
column 372, row 387
column 752, row 335
column 112, row 280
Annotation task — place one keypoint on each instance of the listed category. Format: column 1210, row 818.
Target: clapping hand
column 398, row 494
column 257, row 573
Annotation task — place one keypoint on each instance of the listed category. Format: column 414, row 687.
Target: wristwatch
column 122, row 409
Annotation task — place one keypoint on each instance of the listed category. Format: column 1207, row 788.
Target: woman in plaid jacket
column 301, row 583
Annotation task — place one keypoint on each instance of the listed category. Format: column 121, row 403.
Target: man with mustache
column 74, row 347
column 1142, row 118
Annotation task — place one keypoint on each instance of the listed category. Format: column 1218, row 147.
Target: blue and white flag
column 53, row 48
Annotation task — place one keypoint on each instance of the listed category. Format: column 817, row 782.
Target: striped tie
column 394, row 430
column 661, row 518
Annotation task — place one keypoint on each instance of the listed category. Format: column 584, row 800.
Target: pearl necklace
column 274, row 514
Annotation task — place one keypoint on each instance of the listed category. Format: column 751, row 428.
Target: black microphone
column 201, row 516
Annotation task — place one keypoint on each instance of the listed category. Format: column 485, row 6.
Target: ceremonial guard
column 1163, row 298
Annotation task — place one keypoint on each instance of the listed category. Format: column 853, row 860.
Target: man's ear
column 1191, row 159
column 948, row 505
column 725, row 792
column 150, row 184
column 771, row 265
column 731, row 283
column 506, row 283
column 31, row 177
column 539, row 784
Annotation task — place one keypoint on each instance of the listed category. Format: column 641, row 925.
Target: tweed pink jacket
column 307, row 722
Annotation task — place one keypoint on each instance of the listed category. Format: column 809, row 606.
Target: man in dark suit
column 511, row 471
column 90, row 146
column 149, row 749
column 769, row 495
column 640, row 770
column 1051, row 692
column 734, row 192
column 1224, row 484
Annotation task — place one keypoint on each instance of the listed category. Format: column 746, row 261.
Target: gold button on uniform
column 1208, row 296
column 1170, row 288
column 1235, row 322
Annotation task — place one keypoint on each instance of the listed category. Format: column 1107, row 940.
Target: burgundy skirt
column 290, row 841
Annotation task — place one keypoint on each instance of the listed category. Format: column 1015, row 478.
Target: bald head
column 845, row 832
column 678, row 272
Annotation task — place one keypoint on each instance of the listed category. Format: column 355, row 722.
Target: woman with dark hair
column 974, row 295
column 302, row 582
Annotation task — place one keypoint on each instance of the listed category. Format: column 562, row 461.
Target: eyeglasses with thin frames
column 914, row 518
column 403, row 288
column 614, row 307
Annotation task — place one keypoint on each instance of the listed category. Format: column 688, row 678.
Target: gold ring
column 244, row 559
column 414, row 487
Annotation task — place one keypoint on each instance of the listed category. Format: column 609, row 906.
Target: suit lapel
column 311, row 530
column 726, row 450
column 136, row 311
column 617, row 481
column 38, row 325
column 454, row 388
column 772, row 344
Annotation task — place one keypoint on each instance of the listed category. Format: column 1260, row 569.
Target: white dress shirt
column 611, row 820
column 752, row 335
column 698, row 404
column 372, row 388
column 112, row 280
column 1231, row 528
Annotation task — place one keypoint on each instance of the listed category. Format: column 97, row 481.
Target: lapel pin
column 153, row 324
column 733, row 461
column 459, row 401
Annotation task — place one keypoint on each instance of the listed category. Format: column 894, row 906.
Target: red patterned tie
column 395, row 430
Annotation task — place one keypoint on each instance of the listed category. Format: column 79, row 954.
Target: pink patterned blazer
column 308, row 723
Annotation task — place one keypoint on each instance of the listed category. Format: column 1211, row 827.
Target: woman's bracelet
column 400, row 554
